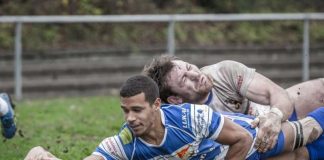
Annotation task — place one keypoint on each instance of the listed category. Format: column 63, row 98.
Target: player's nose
column 130, row 117
column 193, row 75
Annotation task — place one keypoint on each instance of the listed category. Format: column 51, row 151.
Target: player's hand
column 39, row 153
column 269, row 127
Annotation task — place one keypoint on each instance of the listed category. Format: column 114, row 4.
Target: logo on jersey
column 237, row 105
column 184, row 117
column 185, row 152
column 126, row 136
column 201, row 122
column 201, row 116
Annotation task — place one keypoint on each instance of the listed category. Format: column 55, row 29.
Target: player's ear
column 174, row 100
column 157, row 103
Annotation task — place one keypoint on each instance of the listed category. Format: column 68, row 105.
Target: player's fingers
column 258, row 139
column 263, row 137
column 262, row 146
column 264, row 132
column 268, row 143
column 274, row 139
column 255, row 122
column 271, row 141
column 274, row 142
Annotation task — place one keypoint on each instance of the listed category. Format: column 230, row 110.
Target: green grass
column 70, row 128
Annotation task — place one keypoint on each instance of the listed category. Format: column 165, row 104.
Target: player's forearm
column 281, row 101
column 240, row 149
column 262, row 90
column 93, row 157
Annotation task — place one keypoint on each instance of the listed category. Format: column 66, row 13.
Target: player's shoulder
column 123, row 138
column 185, row 116
column 222, row 65
column 229, row 64
column 126, row 135
column 118, row 146
column 172, row 111
column 173, row 108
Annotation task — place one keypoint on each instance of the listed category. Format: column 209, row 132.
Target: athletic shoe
column 7, row 121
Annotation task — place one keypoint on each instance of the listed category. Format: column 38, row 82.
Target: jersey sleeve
column 116, row 147
column 204, row 122
column 234, row 77
column 110, row 149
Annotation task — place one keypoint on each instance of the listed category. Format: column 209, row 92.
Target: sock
column 306, row 130
column 4, row 108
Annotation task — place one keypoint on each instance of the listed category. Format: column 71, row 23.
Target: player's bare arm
column 263, row 90
column 93, row 157
column 237, row 138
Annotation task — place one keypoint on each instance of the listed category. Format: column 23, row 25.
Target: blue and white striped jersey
column 190, row 133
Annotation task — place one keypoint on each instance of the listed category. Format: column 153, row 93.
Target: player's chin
column 138, row 132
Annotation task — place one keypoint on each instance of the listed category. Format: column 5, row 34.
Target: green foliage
column 69, row 128
column 35, row 36
column 6, row 36
column 317, row 31
column 137, row 35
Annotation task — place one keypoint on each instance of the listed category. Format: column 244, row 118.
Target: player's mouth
column 134, row 127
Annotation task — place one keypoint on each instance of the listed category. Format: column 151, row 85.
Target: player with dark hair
column 233, row 87
column 189, row 131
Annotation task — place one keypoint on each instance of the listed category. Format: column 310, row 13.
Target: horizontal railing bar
column 161, row 18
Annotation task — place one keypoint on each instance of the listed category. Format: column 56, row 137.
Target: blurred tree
column 62, row 35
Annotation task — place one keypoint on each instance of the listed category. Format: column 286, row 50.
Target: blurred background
column 76, row 59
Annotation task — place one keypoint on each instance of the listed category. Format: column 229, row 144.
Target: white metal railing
column 171, row 19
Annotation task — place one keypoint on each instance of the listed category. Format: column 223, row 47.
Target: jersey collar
column 209, row 99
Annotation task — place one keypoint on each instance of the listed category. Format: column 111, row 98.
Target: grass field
column 70, row 128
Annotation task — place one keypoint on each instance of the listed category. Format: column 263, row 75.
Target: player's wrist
column 277, row 112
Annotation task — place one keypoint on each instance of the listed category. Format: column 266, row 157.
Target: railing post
column 171, row 42
column 18, row 61
column 306, row 50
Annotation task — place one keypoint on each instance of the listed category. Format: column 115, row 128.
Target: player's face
column 139, row 114
column 189, row 82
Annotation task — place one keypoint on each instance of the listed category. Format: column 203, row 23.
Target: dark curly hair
column 138, row 84
column 158, row 70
